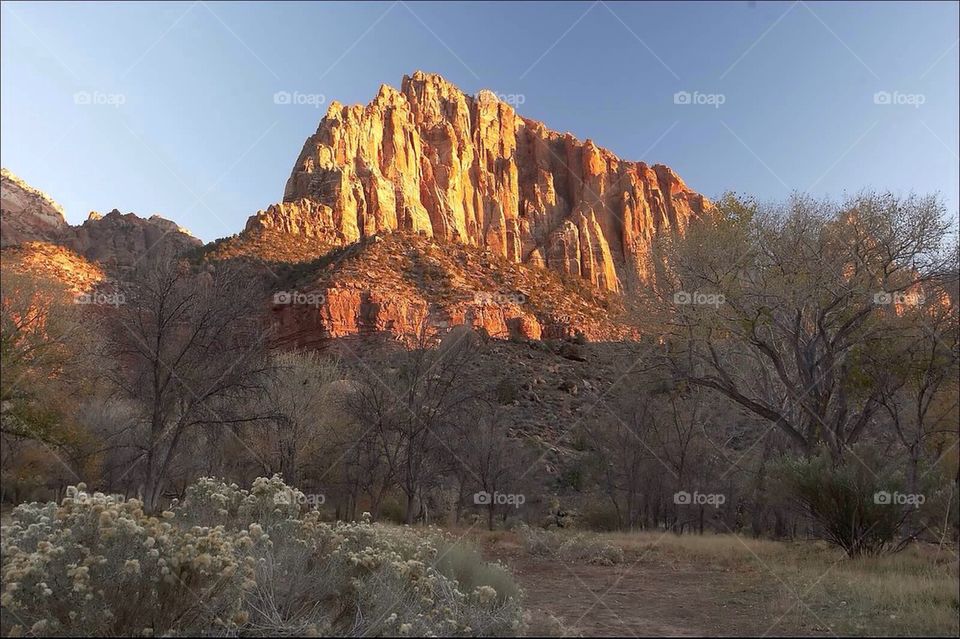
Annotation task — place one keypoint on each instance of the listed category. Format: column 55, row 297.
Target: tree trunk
column 408, row 517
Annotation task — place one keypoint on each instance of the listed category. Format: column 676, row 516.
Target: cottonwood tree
column 42, row 353
column 778, row 307
column 918, row 383
column 296, row 396
column 188, row 347
column 48, row 354
column 409, row 408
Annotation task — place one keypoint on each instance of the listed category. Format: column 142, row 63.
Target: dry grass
column 914, row 592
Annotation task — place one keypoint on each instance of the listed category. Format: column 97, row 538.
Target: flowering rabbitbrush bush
column 229, row 561
column 97, row 565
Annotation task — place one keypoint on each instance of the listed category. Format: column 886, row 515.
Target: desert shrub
column 536, row 541
column 507, row 390
column 392, row 510
column 841, row 498
column 362, row 579
column 468, row 568
column 212, row 502
column 573, row 548
column 542, row 623
column 98, row 565
column 591, row 549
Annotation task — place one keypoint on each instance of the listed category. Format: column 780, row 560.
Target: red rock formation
column 347, row 311
column 27, row 214
column 114, row 240
column 430, row 159
column 401, row 284
column 118, row 240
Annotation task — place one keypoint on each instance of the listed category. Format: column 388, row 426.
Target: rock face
column 430, row 159
column 114, row 240
column 118, row 240
column 27, row 214
column 346, row 312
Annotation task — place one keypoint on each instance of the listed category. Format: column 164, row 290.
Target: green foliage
column 601, row 517
column 468, row 568
column 845, row 498
column 571, row 478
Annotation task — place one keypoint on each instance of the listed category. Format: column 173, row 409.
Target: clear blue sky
column 198, row 137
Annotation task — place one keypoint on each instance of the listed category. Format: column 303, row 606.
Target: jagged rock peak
column 430, row 159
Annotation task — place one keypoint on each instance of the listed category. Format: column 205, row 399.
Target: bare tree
column 774, row 308
column 295, row 391
column 487, row 459
column 410, row 408
column 187, row 347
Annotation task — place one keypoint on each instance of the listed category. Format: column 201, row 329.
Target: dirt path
column 651, row 598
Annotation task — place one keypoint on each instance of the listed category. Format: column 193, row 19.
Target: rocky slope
column 403, row 284
column 432, row 160
column 54, row 262
column 115, row 241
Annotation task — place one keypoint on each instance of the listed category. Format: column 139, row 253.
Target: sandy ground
column 645, row 597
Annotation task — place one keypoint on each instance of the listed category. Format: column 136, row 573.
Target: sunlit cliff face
column 432, row 160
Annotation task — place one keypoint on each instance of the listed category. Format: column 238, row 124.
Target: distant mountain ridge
column 114, row 240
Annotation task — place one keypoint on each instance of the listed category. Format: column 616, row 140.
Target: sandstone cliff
column 27, row 214
column 430, row 159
